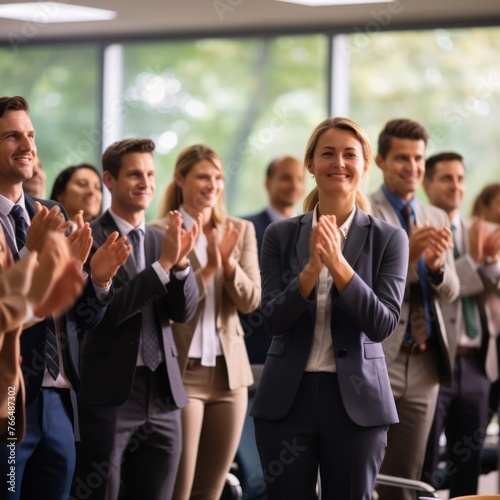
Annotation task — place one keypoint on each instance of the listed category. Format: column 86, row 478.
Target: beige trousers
column 211, row 429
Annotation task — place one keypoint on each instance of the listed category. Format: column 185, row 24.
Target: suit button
column 342, row 353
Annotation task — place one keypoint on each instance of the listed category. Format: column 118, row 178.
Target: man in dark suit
column 284, row 186
column 417, row 353
column 44, row 461
column 461, row 409
column 131, row 387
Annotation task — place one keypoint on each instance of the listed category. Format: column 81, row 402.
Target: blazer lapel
column 302, row 251
column 356, row 238
column 302, row 246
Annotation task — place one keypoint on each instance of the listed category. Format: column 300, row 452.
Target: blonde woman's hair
column 188, row 157
column 340, row 124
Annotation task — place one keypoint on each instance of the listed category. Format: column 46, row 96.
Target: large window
column 62, row 86
column 449, row 80
column 249, row 99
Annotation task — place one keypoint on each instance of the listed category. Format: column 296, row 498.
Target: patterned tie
column 468, row 303
column 150, row 341
column 418, row 322
column 51, row 355
column 17, row 213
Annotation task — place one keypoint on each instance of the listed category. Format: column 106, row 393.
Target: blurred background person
column 211, row 350
column 79, row 187
column 487, row 204
column 284, row 186
column 462, row 407
column 35, row 186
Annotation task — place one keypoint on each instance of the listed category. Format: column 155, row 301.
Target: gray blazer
column 446, row 291
column 482, row 282
column 362, row 316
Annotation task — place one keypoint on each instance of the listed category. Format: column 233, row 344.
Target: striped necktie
column 17, row 213
column 150, row 342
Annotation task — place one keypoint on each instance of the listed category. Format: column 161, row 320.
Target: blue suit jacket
column 362, row 316
column 257, row 339
column 260, row 221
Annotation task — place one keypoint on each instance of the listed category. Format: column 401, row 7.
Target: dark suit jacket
column 108, row 352
column 363, row 316
column 257, row 339
column 33, row 338
column 260, row 221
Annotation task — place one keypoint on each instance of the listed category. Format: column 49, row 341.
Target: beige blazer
column 447, row 291
column 241, row 294
column 13, row 286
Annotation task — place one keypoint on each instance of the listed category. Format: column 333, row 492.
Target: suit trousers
column 317, row 432
column 211, row 429
column 46, row 456
column 462, row 413
column 414, row 379
column 130, row 451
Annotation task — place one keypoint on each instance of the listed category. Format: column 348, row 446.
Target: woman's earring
column 312, row 176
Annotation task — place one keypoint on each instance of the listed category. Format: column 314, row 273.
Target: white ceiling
column 138, row 18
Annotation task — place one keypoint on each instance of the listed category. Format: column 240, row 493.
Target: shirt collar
column 274, row 215
column 398, row 203
column 187, row 220
column 125, row 227
column 6, row 205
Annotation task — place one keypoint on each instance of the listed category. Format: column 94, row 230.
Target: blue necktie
column 418, row 321
column 150, row 341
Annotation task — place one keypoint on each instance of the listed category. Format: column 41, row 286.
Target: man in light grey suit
column 418, row 353
column 462, row 408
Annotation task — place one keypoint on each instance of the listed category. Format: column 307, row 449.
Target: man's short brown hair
column 15, row 103
column 112, row 157
column 401, row 128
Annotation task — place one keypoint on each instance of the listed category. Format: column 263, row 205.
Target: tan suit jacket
column 13, row 286
column 446, row 291
column 241, row 294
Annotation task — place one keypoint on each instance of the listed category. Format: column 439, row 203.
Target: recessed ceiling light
column 54, row 12
column 319, row 3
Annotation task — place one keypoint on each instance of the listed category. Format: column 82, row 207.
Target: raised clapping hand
column 45, row 220
column 491, row 246
column 176, row 242
column 439, row 242
column 431, row 242
column 221, row 254
column 108, row 258
column 57, row 280
column 80, row 240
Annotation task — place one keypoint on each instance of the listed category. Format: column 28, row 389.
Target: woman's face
column 202, row 186
column 338, row 164
column 83, row 192
column 492, row 212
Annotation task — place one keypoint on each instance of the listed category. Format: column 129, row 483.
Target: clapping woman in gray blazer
column 332, row 285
